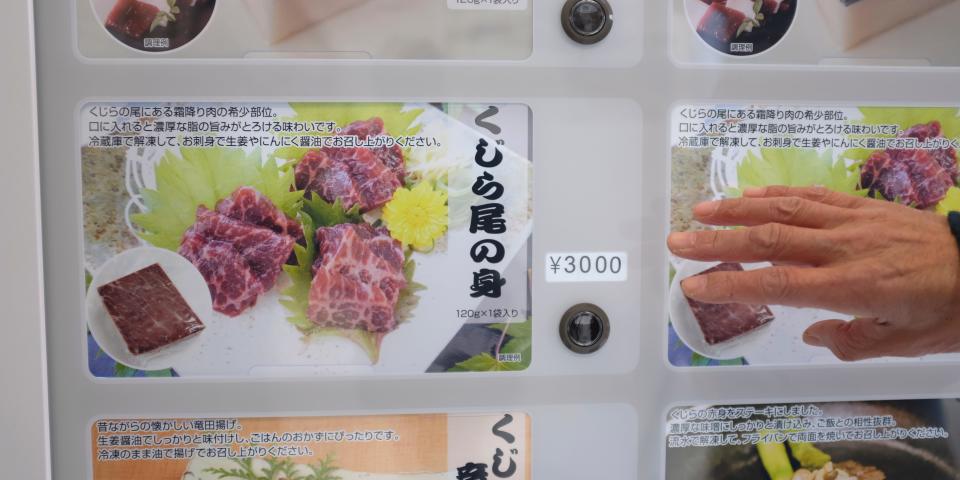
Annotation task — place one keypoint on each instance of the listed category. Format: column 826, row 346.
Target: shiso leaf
column 203, row 176
column 326, row 214
column 797, row 167
column 484, row 362
column 950, row 203
column 521, row 342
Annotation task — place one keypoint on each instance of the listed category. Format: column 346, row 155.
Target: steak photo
column 914, row 177
column 358, row 276
column 240, row 249
column 361, row 175
column 148, row 310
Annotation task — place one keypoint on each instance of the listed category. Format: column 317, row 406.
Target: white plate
column 185, row 277
column 687, row 328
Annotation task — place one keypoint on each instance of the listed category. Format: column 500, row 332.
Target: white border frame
column 23, row 367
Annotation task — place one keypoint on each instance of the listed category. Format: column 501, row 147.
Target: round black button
column 587, row 21
column 588, row 17
column 584, row 328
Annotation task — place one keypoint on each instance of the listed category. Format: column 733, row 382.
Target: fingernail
column 706, row 209
column 680, row 240
column 693, row 285
column 754, row 191
column 812, row 340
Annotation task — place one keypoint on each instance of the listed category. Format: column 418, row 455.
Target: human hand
column 894, row 268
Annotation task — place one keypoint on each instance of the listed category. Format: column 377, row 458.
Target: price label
column 487, row 4
column 586, row 267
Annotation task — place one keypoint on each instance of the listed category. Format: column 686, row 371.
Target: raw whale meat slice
column 392, row 157
column 148, row 310
column 720, row 23
column 238, row 259
column 946, row 157
column 233, row 286
column 356, row 175
column 373, row 180
column 248, row 205
column 263, row 250
column 723, row 322
column 914, row 177
column 318, row 173
column 358, row 276
column 131, row 18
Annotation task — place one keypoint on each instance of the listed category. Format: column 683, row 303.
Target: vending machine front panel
column 427, row 239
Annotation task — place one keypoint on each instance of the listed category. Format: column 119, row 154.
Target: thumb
column 859, row 339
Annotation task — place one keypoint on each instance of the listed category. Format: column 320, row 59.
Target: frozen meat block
column 853, row 21
column 721, row 323
column 280, row 19
column 148, row 310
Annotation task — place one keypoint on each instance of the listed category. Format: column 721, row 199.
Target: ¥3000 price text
column 586, row 267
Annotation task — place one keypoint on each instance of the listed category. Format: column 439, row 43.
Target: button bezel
column 581, row 37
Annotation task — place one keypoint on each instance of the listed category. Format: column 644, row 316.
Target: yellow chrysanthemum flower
column 417, row 216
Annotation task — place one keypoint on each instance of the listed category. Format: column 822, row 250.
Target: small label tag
column 586, row 267
column 487, row 4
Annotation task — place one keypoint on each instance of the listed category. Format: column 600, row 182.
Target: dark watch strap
column 953, row 218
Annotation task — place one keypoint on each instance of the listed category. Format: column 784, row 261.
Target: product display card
column 305, row 29
column 389, row 447
column 906, row 155
column 913, row 439
column 816, row 32
column 242, row 239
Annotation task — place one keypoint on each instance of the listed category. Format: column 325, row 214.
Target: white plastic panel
column 368, row 31
column 23, row 371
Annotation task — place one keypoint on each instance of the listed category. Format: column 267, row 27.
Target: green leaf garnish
column 950, row 203
column 797, row 167
column 276, row 469
column 484, row 362
column 326, row 214
column 204, row 176
column 521, row 342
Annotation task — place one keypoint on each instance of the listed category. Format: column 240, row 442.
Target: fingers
column 814, row 194
column 858, row 339
column 772, row 242
column 780, row 285
column 750, row 211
